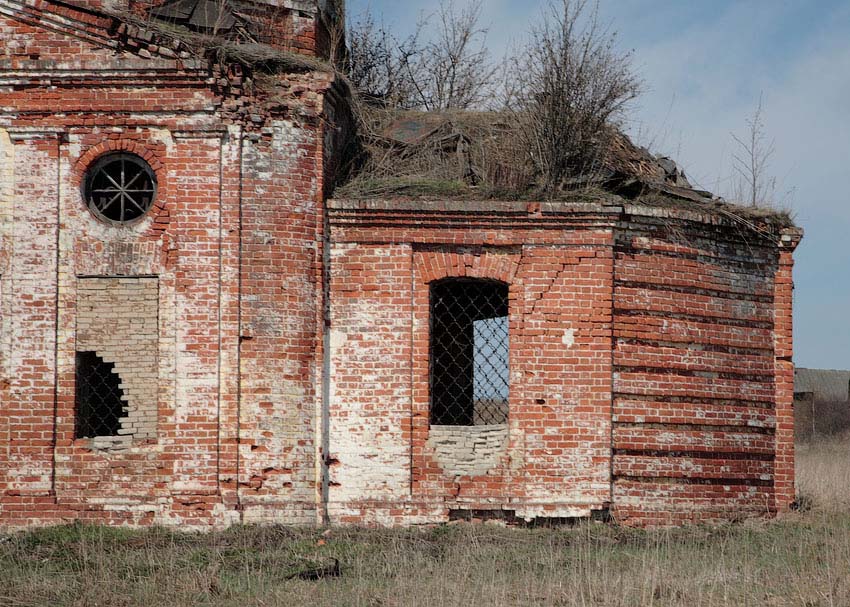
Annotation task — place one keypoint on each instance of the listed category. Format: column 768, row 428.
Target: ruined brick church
column 195, row 332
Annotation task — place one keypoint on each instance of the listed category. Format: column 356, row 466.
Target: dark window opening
column 99, row 397
column 119, row 188
column 469, row 352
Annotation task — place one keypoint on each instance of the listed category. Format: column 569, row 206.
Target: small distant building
column 823, row 384
column 821, row 402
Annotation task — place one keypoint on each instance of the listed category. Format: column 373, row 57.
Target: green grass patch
column 796, row 560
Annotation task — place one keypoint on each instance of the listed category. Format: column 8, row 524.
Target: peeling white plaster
column 163, row 136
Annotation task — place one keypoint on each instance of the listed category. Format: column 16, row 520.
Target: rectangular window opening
column 469, row 352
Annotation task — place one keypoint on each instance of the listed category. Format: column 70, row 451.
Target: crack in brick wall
column 674, row 419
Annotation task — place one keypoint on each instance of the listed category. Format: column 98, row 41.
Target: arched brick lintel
column 493, row 265
column 150, row 151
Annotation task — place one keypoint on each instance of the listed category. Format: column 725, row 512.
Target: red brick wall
column 289, row 29
column 280, row 312
column 783, row 287
column 647, row 364
column 697, row 408
column 650, row 350
column 234, row 241
column 556, row 461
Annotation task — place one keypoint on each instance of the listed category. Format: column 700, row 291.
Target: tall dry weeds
column 823, row 473
column 801, row 559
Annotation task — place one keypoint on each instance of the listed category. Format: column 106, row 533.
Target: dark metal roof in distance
column 826, row 384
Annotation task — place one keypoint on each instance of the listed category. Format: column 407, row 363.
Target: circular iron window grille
column 119, row 188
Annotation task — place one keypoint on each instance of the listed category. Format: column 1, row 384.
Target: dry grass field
column 802, row 559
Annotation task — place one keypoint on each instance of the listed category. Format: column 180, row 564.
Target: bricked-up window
column 118, row 319
column 100, row 399
column 469, row 352
column 119, row 187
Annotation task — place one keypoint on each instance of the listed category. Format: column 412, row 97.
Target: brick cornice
column 454, row 214
column 98, row 28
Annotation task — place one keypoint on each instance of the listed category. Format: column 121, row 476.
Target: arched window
column 469, row 352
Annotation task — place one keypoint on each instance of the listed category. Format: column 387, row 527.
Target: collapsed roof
column 198, row 15
column 245, row 21
column 469, row 151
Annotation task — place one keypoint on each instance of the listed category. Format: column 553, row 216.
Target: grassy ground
column 823, row 473
column 800, row 559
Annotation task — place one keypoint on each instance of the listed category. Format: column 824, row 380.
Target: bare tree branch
column 451, row 70
column 379, row 64
column 566, row 89
column 750, row 163
column 456, row 61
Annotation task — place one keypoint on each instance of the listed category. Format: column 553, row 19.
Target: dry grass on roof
column 757, row 215
column 264, row 57
column 477, row 156
column 464, row 155
column 461, row 154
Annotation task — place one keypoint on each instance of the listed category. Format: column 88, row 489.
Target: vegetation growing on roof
column 261, row 57
column 558, row 109
column 559, row 143
column 222, row 50
column 553, row 135
column 476, row 156
column 443, row 65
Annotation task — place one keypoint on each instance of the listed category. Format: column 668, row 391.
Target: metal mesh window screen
column 469, row 352
column 100, row 404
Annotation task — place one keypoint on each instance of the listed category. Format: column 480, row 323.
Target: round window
column 120, row 187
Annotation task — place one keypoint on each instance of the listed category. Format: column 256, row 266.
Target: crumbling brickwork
column 697, row 404
column 643, row 354
column 274, row 347
column 227, row 263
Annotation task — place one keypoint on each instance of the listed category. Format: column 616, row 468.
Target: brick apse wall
column 649, row 364
column 272, row 352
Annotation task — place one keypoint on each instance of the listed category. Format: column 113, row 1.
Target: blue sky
column 705, row 63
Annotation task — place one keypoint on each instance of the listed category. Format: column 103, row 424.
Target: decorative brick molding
column 490, row 263
column 152, row 152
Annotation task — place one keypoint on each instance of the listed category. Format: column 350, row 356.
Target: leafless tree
column 566, row 89
column 443, row 64
column 455, row 70
column 379, row 64
column 334, row 18
column 750, row 162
